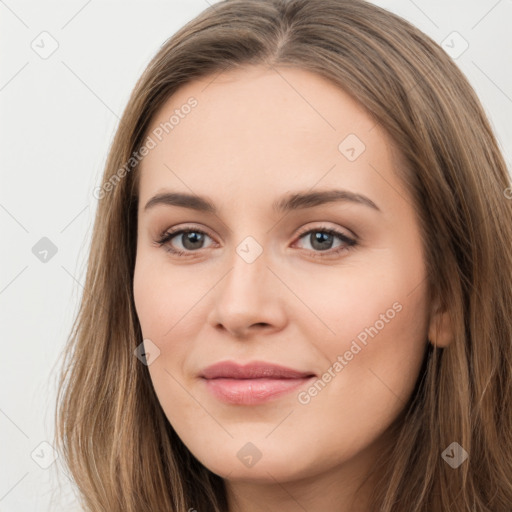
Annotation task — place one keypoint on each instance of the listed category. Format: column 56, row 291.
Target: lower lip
column 252, row 391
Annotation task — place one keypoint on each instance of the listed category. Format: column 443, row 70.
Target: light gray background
column 58, row 117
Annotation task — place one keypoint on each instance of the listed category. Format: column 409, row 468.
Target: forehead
column 259, row 129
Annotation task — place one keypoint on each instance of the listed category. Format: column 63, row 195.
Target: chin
column 242, row 465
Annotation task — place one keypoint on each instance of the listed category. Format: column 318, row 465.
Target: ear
column 440, row 331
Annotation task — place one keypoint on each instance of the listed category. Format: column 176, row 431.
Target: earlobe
column 440, row 331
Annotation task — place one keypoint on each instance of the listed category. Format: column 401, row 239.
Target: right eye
column 191, row 240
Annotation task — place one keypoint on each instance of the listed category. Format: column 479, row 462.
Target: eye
column 322, row 240
column 190, row 239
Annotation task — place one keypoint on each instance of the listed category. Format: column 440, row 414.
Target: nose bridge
column 245, row 296
column 248, row 275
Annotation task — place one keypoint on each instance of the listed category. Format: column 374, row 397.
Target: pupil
column 190, row 238
column 321, row 238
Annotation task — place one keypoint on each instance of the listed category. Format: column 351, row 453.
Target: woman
column 292, row 300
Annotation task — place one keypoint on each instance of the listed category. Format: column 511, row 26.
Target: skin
column 256, row 135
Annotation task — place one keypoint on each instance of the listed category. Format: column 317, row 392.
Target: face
column 304, row 252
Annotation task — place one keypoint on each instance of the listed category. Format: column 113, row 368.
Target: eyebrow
column 293, row 201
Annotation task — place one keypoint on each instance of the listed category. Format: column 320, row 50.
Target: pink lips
column 253, row 383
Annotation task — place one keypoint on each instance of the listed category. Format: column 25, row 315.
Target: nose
column 248, row 299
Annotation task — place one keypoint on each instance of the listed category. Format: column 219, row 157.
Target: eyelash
column 350, row 243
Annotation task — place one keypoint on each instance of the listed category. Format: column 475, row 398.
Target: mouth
column 252, row 384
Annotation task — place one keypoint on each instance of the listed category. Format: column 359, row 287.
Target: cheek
column 162, row 299
column 166, row 296
column 371, row 367
column 377, row 316
column 373, row 360
column 377, row 298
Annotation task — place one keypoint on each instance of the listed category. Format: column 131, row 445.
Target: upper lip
column 253, row 370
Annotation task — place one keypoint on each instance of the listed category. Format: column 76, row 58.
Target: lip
column 253, row 383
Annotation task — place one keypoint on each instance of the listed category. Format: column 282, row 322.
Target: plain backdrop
column 66, row 73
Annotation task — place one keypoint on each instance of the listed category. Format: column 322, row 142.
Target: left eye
column 323, row 239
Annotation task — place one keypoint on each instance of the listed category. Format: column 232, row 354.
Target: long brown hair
column 111, row 430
